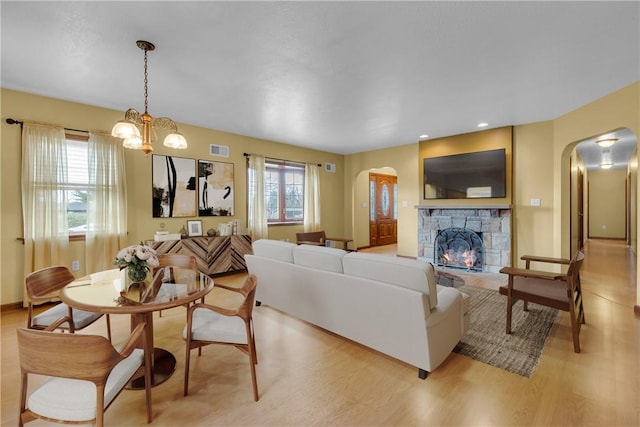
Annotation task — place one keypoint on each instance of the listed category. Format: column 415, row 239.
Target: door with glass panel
column 383, row 212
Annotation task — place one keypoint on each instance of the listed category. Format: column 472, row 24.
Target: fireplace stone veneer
column 494, row 224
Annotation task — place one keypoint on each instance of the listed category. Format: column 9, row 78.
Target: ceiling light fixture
column 606, row 162
column 483, row 125
column 606, row 142
column 130, row 128
column 424, row 136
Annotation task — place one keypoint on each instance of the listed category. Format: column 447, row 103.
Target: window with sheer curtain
column 72, row 186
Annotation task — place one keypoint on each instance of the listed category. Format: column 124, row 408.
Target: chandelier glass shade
column 138, row 129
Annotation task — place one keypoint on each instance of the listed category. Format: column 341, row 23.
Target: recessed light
column 483, row 125
column 424, row 136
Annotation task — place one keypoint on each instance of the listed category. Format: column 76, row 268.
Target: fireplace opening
column 459, row 248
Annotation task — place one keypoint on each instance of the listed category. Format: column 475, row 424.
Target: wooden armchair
column 557, row 290
column 75, row 363
column 317, row 238
column 209, row 324
column 43, row 285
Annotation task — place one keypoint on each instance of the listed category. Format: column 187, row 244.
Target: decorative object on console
column 215, row 188
column 183, row 233
column 195, row 228
column 211, row 232
column 134, row 122
column 173, row 187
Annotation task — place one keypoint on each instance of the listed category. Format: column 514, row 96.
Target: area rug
column 487, row 342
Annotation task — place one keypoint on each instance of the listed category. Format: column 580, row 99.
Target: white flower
column 142, row 253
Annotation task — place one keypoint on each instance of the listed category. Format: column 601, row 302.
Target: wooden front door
column 382, row 218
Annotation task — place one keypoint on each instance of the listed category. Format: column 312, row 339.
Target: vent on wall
column 219, row 150
column 330, row 167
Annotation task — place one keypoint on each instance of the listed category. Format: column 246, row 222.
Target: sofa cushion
column 274, row 249
column 320, row 257
column 408, row 273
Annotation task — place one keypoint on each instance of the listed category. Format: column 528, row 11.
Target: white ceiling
column 342, row 77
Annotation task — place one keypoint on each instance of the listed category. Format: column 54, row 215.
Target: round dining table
column 109, row 292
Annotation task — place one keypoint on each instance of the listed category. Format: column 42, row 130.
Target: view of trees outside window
column 77, row 185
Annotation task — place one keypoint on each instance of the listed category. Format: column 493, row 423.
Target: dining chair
column 43, row 285
column 171, row 261
column 84, row 374
column 208, row 324
column 317, row 238
column 558, row 290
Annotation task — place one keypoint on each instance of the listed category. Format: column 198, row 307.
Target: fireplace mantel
column 463, row 206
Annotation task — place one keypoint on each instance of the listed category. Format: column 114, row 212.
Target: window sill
column 277, row 224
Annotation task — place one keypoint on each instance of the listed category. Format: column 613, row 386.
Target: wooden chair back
column 312, row 237
column 46, row 283
column 187, row 262
column 77, row 357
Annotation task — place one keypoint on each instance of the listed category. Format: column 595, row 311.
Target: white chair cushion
column 81, row 318
column 211, row 326
column 75, row 400
column 275, row 249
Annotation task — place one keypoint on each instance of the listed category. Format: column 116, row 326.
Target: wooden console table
column 214, row 255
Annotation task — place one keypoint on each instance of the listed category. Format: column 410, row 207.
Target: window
column 77, row 184
column 284, row 191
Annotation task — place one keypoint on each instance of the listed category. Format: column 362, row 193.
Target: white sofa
column 390, row 304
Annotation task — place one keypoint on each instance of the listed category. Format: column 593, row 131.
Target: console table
column 214, row 255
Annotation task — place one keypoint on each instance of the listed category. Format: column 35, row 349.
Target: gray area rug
column 487, row 342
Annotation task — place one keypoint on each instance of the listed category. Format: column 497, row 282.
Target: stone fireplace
column 470, row 238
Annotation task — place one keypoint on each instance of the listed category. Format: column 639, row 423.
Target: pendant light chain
column 146, row 81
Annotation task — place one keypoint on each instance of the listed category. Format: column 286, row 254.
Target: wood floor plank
column 308, row 376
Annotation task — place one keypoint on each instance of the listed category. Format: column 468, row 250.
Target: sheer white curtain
column 312, row 198
column 107, row 201
column 44, row 196
column 257, row 212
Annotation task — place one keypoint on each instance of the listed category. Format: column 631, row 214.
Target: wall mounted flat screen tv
column 481, row 174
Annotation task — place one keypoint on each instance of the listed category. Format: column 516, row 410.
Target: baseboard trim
column 11, row 306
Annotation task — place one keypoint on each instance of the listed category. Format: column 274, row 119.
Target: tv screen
column 466, row 176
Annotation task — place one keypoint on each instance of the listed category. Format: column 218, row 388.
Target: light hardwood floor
column 307, row 376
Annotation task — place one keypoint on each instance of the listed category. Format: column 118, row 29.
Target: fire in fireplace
column 459, row 248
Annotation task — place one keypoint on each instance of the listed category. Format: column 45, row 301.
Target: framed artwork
column 194, row 227
column 215, row 188
column 173, row 186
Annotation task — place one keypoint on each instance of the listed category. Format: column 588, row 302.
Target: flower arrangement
column 138, row 260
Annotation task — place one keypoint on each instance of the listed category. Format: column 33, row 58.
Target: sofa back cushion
column 274, row 249
column 319, row 257
column 408, row 273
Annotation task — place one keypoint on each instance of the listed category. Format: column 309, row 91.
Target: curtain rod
column 275, row 158
column 18, row 122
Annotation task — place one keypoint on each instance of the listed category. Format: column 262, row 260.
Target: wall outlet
column 75, row 265
column 535, row 202
column 604, row 227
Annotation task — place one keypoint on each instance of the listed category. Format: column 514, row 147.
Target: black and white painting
column 174, row 187
column 215, row 188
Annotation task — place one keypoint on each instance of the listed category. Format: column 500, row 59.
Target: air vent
column 219, row 150
column 330, row 167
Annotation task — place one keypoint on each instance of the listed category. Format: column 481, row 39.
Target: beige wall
column 541, row 153
column 607, row 204
column 141, row 225
column 400, row 159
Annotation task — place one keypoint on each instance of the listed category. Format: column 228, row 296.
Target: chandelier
column 138, row 130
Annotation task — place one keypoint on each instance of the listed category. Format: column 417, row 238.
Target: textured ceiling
column 342, row 77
